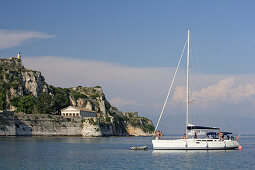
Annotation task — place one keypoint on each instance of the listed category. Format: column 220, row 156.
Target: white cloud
column 14, row 38
column 225, row 91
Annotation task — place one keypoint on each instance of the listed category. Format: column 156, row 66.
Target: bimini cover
column 202, row 127
column 215, row 133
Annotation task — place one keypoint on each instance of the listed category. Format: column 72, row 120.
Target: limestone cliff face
column 19, row 81
column 137, row 131
column 91, row 128
column 140, row 127
column 91, row 98
column 33, row 82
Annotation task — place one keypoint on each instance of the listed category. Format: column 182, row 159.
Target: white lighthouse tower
column 19, row 56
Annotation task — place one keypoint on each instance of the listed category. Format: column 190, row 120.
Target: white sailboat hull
column 194, row 144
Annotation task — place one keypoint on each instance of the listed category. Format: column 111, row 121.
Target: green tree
column 15, row 101
column 26, row 104
column 43, row 103
column 60, row 100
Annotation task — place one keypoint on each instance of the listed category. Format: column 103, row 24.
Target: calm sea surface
column 114, row 153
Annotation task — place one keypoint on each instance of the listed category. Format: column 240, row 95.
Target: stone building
column 18, row 56
column 77, row 112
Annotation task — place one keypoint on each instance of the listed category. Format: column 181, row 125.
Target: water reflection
column 60, row 139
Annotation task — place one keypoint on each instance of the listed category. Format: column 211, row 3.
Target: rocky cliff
column 25, row 91
column 16, row 81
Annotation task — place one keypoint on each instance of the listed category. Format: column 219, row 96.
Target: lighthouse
column 19, row 56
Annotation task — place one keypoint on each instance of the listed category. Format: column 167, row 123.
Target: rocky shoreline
column 55, row 125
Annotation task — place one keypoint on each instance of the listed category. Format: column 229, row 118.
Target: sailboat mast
column 187, row 99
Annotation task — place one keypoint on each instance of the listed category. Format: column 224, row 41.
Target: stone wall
column 40, row 125
column 55, row 125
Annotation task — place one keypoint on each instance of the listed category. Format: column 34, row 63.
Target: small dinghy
column 139, row 148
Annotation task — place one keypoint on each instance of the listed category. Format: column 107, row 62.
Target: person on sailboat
column 195, row 136
column 160, row 135
column 220, row 135
column 184, row 136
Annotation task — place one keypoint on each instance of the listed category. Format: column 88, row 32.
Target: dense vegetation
column 8, row 79
column 44, row 103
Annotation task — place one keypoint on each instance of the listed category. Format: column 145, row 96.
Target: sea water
column 115, row 153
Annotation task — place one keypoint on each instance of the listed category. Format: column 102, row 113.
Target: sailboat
column 196, row 137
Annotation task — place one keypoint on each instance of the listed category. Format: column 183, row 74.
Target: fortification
column 12, row 63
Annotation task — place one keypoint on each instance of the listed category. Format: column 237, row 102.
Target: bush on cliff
column 149, row 128
column 26, row 104
column 76, row 95
column 14, row 84
column 15, row 101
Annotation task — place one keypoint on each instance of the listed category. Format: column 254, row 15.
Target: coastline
column 57, row 125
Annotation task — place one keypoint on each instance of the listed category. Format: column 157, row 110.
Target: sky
column 131, row 49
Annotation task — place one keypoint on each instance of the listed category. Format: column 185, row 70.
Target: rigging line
column 170, row 87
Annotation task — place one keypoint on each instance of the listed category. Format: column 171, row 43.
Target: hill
column 25, row 91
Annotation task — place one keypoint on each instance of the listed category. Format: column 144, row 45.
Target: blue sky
column 137, row 33
column 130, row 48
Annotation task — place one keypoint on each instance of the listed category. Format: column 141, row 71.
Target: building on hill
column 18, row 56
column 130, row 114
column 72, row 111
